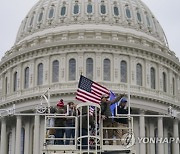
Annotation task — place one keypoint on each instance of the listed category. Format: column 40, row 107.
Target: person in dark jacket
column 121, row 122
column 106, row 114
column 60, row 122
column 70, row 122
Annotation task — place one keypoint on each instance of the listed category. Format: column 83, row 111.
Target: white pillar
column 3, row 137
column 160, row 135
column 27, row 137
column 152, row 135
column 142, row 132
column 13, row 147
column 175, row 135
column 166, row 145
column 18, row 134
column 36, row 134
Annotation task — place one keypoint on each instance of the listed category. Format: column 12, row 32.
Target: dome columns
column 176, row 135
column 3, row 136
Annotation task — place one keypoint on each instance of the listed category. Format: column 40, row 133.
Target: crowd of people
column 65, row 132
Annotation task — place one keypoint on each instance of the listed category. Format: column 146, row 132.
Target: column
column 27, row 137
column 142, row 132
column 166, row 145
column 13, row 146
column 3, row 136
column 18, row 135
column 36, row 134
column 160, row 135
column 152, row 135
column 175, row 135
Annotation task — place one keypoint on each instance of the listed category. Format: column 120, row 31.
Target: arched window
column 123, row 71
column 55, row 73
column 76, row 9
column 107, row 70
column 103, row 9
column 164, row 82
column 89, row 8
column 173, row 86
column 40, row 74
column 26, row 77
column 153, row 78
column 40, row 17
column 31, row 21
column 89, row 68
column 139, row 74
column 139, row 17
column 148, row 21
column 116, row 11
column 128, row 13
column 6, row 85
column 22, row 140
column 10, row 143
column 72, row 69
column 63, row 11
column 51, row 13
column 15, row 82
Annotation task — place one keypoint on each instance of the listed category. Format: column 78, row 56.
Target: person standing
column 106, row 114
column 121, row 122
column 70, row 122
column 60, row 122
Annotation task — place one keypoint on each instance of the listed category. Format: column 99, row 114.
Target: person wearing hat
column 121, row 122
column 60, row 122
column 106, row 114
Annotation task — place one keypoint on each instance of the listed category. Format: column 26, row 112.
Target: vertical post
column 27, row 139
column 3, row 137
column 49, row 100
column 36, row 134
column 160, row 135
column 152, row 145
column 18, row 134
column 176, row 136
column 142, row 132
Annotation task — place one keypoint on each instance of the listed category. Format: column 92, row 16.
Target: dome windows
column 148, row 21
column 153, row 78
column 31, row 21
column 89, row 68
column 40, row 17
column 55, row 71
column 89, row 8
column 63, row 10
column 26, row 78
column 51, row 13
column 123, row 71
column 72, row 69
column 76, row 9
column 103, row 9
column 40, row 74
column 139, row 17
column 116, row 11
column 128, row 13
column 164, row 78
column 107, row 70
column 139, row 74
column 15, row 82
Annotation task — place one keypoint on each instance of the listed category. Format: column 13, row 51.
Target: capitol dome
column 117, row 43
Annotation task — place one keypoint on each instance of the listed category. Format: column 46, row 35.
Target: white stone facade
column 89, row 35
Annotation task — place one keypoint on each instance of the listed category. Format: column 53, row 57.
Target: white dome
column 68, row 15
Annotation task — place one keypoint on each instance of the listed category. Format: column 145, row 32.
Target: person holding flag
column 106, row 114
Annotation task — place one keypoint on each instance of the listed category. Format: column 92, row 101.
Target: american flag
column 90, row 91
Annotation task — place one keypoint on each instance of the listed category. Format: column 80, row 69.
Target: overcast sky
column 12, row 12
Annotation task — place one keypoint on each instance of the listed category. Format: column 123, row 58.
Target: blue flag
column 112, row 96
